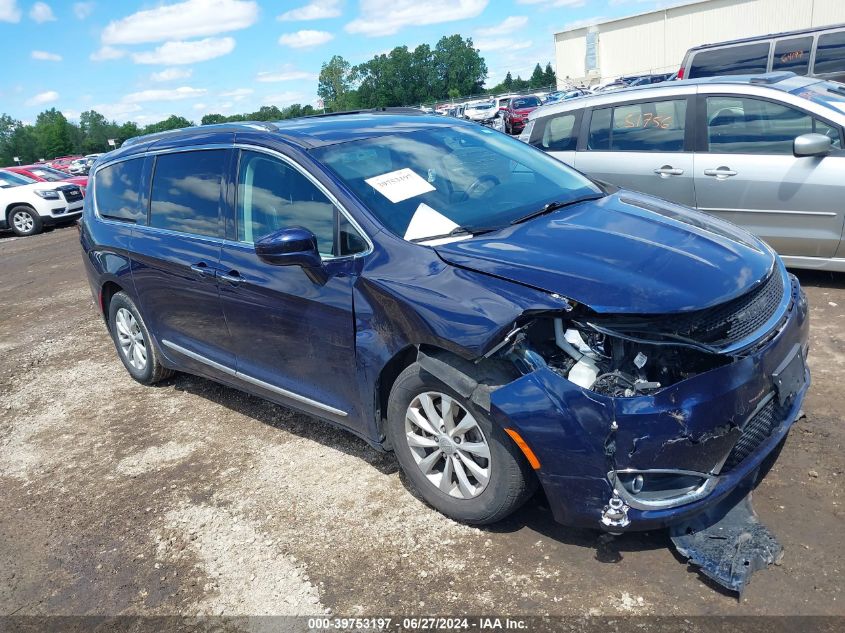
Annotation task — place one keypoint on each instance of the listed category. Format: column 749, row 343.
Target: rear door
column 176, row 255
column 829, row 62
column 640, row 145
column 746, row 173
column 557, row 134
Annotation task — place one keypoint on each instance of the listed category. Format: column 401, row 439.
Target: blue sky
column 143, row 61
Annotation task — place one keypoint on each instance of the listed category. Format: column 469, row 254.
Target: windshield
column 432, row 181
column 526, row 102
column 50, row 175
column 11, row 179
column 481, row 106
column 827, row 93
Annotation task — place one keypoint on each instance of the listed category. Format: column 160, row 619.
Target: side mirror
column 290, row 247
column 811, row 145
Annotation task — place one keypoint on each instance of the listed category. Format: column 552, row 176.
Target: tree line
column 453, row 68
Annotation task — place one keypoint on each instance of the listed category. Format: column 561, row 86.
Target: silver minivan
column 763, row 152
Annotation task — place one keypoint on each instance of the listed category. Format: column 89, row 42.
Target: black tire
column 34, row 220
column 152, row 371
column 511, row 480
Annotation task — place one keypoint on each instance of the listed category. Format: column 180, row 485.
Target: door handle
column 233, row 277
column 720, row 172
column 202, row 269
column 668, row 170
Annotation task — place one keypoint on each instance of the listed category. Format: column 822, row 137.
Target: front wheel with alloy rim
column 24, row 221
column 453, row 455
column 133, row 342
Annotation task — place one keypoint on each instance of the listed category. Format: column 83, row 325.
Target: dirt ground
column 193, row 498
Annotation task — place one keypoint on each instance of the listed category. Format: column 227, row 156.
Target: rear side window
column 117, row 191
column 793, row 55
column 830, row 53
column 652, row 126
column 753, row 126
column 559, row 133
column 186, row 192
column 748, row 59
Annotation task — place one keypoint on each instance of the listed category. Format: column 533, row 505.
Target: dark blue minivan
column 492, row 316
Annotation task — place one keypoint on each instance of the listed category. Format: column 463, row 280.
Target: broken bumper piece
column 727, row 542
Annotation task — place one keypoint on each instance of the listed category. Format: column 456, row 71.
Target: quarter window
column 559, row 134
column 793, row 55
column 186, row 192
column 273, row 195
column 749, row 59
column 652, row 126
column 117, row 191
column 752, row 126
column 830, row 53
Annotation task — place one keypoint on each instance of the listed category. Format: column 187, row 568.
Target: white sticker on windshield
column 400, row 185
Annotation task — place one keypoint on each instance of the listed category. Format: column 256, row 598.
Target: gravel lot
column 193, row 498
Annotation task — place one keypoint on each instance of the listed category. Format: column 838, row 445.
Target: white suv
column 27, row 206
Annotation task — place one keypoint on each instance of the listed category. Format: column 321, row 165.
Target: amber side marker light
column 526, row 450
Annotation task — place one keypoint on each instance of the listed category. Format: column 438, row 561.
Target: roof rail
column 772, row 78
column 232, row 126
column 384, row 110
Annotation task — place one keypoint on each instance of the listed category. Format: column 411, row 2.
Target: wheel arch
column 13, row 205
column 107, row 291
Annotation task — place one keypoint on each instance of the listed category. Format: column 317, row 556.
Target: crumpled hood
column 626, row 253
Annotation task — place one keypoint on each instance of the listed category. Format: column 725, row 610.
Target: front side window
column 830, row 53
column 652, row 126
column 117, row 191
column 748, row 59
column 272, row 196
column 737, row 125
column 793, row 55
column 187, row 190
column 439, row 180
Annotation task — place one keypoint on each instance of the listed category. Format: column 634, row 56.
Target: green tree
column 172, row 122
column 538, row 79
column 210, row 119
column 551, row 77
column 335, row 83
column 127, row 131
column 507, row 84
column 459, row 65
column 53, row 134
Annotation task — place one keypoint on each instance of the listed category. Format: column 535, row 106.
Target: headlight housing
column 47, row 194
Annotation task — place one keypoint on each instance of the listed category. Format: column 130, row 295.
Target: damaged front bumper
column 655, row 460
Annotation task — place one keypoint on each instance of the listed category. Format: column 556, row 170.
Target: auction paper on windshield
column 400, row 185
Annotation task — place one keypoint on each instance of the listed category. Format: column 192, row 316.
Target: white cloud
column 238, row 94
column 199, row 106
column 577, row 24
column 43, row 97
column 44, row 56
column 192, row 18
column 284, row 98
column 107, row 53
column 556, row 3
column 83, row 9
column 41, row 12
column 385, row 17
column 116, row 111
column 9, row 11
column 305, row 39
column 171, row 74
column 505, row 27
column 501, row 43
column 287, row 73
column 316, row 10
column 178, row 53
column 185, row 92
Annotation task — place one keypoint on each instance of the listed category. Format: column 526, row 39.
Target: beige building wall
column 657, row 41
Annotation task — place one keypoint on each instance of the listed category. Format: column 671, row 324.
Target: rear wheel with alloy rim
column 24, row 221
column 133, row 342
column 453, row 455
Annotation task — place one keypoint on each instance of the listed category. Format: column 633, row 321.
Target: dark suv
column 448, row 293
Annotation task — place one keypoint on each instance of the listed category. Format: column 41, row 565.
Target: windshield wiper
column 554, row 205
column 457, row 231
